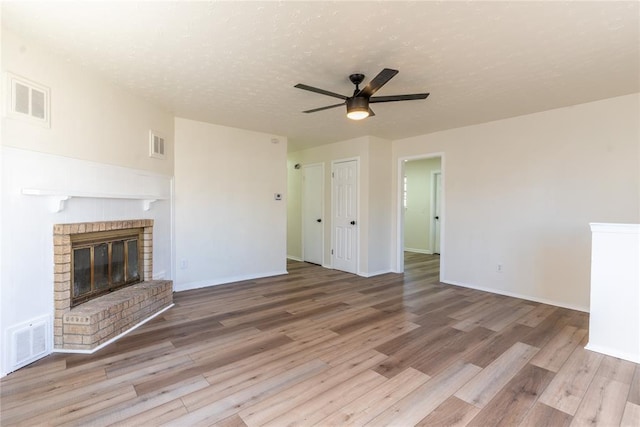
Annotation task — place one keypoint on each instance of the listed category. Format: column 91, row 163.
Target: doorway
column 421, row 207
column 312, row 213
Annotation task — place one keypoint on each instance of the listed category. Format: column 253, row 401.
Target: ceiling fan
column 358, row 103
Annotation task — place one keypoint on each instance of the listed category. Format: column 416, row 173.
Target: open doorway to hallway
column 421, row 212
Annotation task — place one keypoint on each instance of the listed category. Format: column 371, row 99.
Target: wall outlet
column 184, row 264
column 499, row 268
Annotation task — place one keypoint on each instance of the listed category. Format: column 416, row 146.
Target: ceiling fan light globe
column 358, row 115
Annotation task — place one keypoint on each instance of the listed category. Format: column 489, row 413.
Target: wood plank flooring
column 327, row 348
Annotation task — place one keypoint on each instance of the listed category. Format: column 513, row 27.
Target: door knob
column 437, row 217
column 319, row 220
column 353, row 223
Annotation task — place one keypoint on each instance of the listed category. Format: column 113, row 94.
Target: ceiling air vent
column 156, row 145
column 28, row 100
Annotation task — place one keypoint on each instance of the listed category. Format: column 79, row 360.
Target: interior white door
column 437, row 202
column 345, row 213
column 312, row 214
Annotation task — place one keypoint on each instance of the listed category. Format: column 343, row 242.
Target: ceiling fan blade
column 321, row 91
column 371, row 113
column 324, row 108
column 378, row 81
column 398, row 97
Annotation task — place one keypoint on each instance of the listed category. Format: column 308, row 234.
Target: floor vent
column 29, row 342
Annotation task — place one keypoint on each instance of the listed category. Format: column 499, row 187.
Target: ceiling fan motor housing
column 357, row 108
column 357, row 104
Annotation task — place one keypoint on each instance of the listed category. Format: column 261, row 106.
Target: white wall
column 294, row 208
column 521, row 192
column 418, row 222
column 91, row 119
column 374, row 200
column 97, row 143
column 380, row 200
column 227, row 223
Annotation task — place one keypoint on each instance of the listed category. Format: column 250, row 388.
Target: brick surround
column 95, row 322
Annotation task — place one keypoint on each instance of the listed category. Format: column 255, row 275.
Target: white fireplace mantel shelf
column 59, row 197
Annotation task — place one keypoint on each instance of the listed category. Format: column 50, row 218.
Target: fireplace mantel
column 59, row 197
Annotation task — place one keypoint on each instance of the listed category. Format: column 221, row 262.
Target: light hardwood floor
column 322, row 347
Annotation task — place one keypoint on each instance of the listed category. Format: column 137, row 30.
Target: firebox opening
column 104, row 261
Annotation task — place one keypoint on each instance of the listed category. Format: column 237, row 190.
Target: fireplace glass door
column 103, row 262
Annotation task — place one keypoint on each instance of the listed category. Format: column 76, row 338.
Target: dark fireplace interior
column 104, row 261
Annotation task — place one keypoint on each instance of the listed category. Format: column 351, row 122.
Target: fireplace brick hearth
column 91, row 324
column 97, row 321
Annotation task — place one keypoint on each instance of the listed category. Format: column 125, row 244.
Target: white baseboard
column 419, row 251
column 294, row 258
column 516, row 295
column 374, row 273
column 104, row 344
column 215, row 282
column 635, row 358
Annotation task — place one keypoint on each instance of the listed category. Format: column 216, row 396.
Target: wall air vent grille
column 156, row 145
column 28, row 100
column 29, row 341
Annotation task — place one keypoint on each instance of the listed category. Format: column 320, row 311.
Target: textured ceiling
column 235, row 63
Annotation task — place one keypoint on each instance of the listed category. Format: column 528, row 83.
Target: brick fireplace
column 94, row 323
